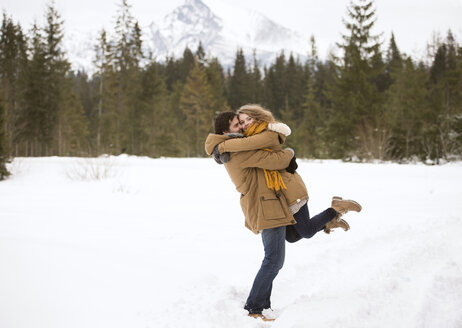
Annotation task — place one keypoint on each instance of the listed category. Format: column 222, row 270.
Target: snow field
column 162, row 243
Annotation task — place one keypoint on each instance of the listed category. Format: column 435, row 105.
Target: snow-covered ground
column 162, row 243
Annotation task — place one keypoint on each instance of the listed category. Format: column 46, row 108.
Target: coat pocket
column 272, row 207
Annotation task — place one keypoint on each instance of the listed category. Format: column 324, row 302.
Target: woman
column 255, row 120
column 257, row 123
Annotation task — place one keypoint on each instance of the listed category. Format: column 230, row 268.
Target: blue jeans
column 307, row 227
column 274, row 245
column 275, row 250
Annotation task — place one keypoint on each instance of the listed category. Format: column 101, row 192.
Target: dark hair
column 222, row 121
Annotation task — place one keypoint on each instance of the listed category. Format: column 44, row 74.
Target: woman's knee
column 306, row 230
column 309, row 234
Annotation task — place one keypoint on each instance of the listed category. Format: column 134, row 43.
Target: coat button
column 262, row 197
column 293, row 221
column 298, row 200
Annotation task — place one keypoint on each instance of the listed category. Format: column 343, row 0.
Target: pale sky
column 414, row 22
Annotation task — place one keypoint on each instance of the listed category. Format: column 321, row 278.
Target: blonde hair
column 257, row 112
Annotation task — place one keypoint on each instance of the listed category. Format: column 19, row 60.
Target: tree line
column 370, row 102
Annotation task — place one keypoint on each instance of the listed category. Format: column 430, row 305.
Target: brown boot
column 342, row 206
column 261, row 316
column 336, row 222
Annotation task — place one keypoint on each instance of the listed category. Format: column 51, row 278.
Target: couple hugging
column 274, row 197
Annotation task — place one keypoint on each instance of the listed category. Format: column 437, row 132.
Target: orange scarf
column 273, row 178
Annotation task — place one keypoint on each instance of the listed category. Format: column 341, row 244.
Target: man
column 266, row 210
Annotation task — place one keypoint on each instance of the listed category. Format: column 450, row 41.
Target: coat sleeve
column 263, row 159
column 266, row 139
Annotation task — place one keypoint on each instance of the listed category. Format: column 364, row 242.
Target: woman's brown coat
column 263, row 208
column 296, row 189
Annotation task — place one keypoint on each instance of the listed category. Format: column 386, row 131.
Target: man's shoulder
column 212, row 140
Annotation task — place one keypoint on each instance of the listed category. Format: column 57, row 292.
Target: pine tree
column 407, row 104
column 239, row 92
column 127, row 58
column 32, row 117
column 216, row 81
column 171, row 73
column 256, row 83
column 309, row 126
column 295, row 87
column 198, row 107
column 446, row 99
column 107, row 81
column 46, row 123
column 3, row 144
column 56, row 69
column 276, row 86
column 308, row 130
column 180, row 121
column 85, row 90
column 186, row 64
column 159, row 136
column 325, row 77
column 394, row 61
column 13, row 60
column 355, row 122
column 200, row 54
column 457, row 120
column 82, row 87
column 73, row 124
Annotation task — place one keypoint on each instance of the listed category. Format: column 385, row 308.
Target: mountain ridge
column 215, row 24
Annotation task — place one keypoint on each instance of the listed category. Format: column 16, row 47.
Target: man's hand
column 220, row 158
column 292, row 165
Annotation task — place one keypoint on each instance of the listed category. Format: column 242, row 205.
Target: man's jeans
column 274, row 244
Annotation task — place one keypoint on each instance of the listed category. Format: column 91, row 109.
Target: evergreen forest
column 369, row 102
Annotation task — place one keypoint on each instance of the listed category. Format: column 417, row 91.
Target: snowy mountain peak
column 185, row 26
column 218, row 26
column 192, row 12
column 196, row 4
column 221, row 28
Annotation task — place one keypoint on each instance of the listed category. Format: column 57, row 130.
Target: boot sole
column 262, row 317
